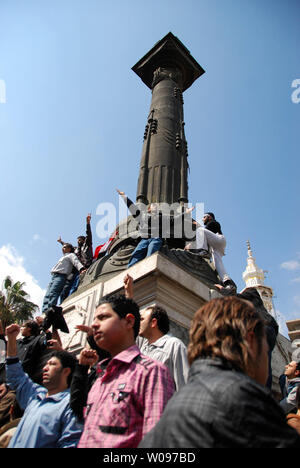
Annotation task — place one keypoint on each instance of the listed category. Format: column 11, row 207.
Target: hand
column 189, row 210
column 54, row 344
column 88, row 357
column 85, row 329
column 120, row 193
column 128, row 286
column 59, row 240
column 88, row 218
column 12, row 331
column 187, row 247
column 82, row 271
column 39, row 320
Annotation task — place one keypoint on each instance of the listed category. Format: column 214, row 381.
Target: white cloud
column 12, row 264
column 296, row 300
column 37, row 238
column 296, row 280
column 290, row 265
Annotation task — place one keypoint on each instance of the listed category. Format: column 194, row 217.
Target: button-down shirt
column 126, row 400
column 172, row 352
column 66, row 263
column 48, row 422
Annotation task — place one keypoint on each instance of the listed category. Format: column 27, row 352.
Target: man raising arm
column 48, row 421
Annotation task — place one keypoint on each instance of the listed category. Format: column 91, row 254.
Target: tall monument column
column 173, row 278
column 168, row 69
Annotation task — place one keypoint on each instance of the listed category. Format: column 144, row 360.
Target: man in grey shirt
column 159, row 344
column 59, row 274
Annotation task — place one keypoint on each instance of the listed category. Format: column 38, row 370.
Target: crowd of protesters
column 136, row 385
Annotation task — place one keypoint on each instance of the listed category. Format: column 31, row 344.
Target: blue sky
column 74, row 115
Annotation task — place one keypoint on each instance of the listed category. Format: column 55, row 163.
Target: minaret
column 254, row 277
column 168, row 69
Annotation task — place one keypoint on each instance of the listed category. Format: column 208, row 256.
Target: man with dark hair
column 30, row 348
column 84, row 252
column 8, row 404
column 84, row 249
column 48, row 421
column 210, row 238
column 159, row 344
column 131, row 391
column 292, row 373
column 225, row 403
column 59, row 274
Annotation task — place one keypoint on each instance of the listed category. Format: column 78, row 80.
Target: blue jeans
column 71, row 286
column 54, row 290
column 145, row 248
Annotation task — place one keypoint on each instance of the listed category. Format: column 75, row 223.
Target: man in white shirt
column 159, row 344
column 59, row 274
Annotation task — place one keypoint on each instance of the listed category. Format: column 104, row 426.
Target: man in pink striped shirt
column 132, row 390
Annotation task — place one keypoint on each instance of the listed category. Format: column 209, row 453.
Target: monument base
column 160, row 280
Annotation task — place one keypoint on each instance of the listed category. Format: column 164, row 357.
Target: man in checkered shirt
column 131, row 390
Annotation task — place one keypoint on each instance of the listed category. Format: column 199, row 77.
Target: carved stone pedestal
column 157, row 280
column 165, row 280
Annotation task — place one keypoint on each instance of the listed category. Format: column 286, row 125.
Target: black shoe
column 228, row 289
column 200, row 252
column 229, row 284
column 54, row 317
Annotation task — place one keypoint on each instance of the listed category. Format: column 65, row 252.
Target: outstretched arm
column 16, row 377
column 88, row 239
column 12, row 332
column 60, row 241
column 128, row 286
column 134, row 210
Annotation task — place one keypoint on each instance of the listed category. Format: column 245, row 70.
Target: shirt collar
column 126, row 356
column 160, row 342
column 56, row 397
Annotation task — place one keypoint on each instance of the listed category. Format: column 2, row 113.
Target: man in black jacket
column 84, row 252
column 31, row 347
column 225, row 403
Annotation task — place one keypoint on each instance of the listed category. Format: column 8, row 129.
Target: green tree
column 15, row 306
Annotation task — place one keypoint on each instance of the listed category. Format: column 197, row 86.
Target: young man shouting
column 131, row 390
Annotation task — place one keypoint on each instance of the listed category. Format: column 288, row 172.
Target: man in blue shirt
column 48, row 421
